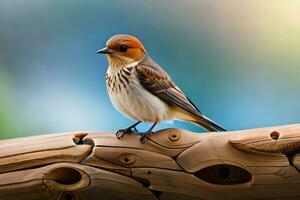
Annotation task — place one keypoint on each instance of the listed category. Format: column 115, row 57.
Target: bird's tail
column 208, row 124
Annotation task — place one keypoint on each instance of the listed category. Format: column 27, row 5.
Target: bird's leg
column 145, row 134
column 135, row 129
column 121, row 132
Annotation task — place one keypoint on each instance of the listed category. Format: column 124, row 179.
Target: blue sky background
column 239, row 61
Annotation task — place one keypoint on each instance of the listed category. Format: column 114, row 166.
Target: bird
column 143, row 91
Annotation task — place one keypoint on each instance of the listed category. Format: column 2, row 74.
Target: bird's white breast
column 136, row 102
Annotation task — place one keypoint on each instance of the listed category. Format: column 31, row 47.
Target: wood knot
column 79, row 137
column 174, row 136
column 127, row 158
column 224, row 174
column 68, row 196
column 274, row 135
column 66, row 179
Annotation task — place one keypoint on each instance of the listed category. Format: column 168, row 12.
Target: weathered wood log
column 173, row 164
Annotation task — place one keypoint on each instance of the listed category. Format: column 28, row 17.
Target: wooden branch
column 173, row 164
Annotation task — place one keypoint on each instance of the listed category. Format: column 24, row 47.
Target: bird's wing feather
column 159, row 83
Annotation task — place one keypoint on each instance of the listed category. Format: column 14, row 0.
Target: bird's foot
column 144, row 136
column 121, row 132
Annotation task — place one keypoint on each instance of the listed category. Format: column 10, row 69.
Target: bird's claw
column 144, row 137
column 121, row 132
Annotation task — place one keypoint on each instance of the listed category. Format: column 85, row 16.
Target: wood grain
column 174, row 164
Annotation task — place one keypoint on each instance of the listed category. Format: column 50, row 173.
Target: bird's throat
column 115, row 62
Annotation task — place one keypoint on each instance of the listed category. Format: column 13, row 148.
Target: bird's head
column 123, row 50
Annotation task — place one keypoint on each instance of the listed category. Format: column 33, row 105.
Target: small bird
column 141, row 90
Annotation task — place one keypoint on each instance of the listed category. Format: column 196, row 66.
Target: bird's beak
column 105, row 50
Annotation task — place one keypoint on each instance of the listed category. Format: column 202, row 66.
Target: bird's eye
column 123, row 48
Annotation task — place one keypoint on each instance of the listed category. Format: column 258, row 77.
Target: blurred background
column 239, row 61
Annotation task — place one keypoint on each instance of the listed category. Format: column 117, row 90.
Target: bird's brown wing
column 159, row 83
column 155, row 80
